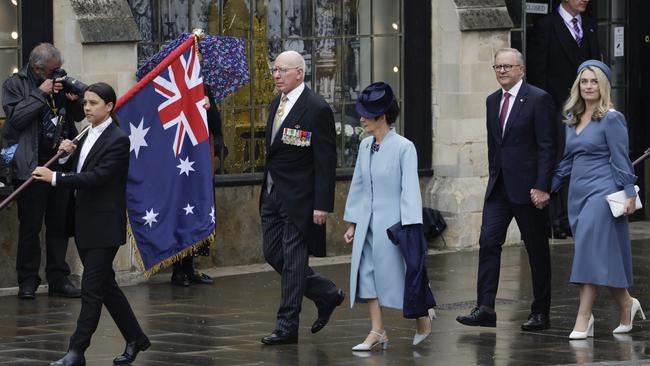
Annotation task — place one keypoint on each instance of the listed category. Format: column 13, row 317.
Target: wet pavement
column 222, row 324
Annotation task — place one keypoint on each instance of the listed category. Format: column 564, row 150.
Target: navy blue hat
column 595, row 63
column 375, row 100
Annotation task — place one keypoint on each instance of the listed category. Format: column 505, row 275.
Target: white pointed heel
column 589, row 332
column 622, row 328
column 418, row 338
column 381, row 342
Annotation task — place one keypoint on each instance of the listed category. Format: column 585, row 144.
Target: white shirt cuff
column 54, row 178
column 64, row 159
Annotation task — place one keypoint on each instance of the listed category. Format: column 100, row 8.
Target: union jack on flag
column 185, row 105
column 170, row 193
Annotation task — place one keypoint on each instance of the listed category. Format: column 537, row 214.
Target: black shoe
column 200, row 278
column 27, row 289
column 131, row 351
column 536, row 321
column 27, row 292
column 66, row 290
column 326, row 311
column 71, row 358
column 478, row 318
column 180, row 279
column 279, row 337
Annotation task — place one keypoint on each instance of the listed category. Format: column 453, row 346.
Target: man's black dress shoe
column 200, row 278
column 67, row 290
column 326, row 311
column 27, row 292
column 131, row 351
column 180, row 279
column 536, row 321
column 27, row 289
column 279, row 337
column 478, row 318
column 72, row 358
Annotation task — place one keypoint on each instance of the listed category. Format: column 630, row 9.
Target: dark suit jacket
column 554, row 56
column 100, row 201
column 304, row 176
column 525, row 155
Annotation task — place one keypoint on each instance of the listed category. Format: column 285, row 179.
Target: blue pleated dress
column 597, row 162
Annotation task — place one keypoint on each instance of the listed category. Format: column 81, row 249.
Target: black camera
column 70, row 84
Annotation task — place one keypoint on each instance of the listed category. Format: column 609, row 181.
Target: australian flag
column 170, row 194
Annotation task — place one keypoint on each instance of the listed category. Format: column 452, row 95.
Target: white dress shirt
column 292, row 97
column 91, row 138
column 513, row 96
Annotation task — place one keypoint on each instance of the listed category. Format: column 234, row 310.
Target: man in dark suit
column 521, row 153
column 297, row 195
column 560, row 42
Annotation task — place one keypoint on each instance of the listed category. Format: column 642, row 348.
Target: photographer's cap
column 375, row 100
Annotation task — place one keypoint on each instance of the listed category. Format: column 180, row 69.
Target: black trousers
column 98, row 287
column 184, row 265
column 498, row 212
column 40, row 201
column 286, row 251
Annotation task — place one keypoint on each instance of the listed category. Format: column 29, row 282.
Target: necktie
column 576, row 28
column 277, row 121
column 504, row 109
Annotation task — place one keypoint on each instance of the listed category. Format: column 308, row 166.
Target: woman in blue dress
column 384, row 190
column 596, row 160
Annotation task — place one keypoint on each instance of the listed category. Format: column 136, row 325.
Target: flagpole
column 29, row 181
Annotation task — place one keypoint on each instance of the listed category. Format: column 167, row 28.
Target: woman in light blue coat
column 384, row 190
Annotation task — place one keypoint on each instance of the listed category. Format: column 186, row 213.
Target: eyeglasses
column 505, row 67
column 283, row 70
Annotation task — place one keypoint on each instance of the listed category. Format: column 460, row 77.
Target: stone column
column 465, row 37
column 98, row 41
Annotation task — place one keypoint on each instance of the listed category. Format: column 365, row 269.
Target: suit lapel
column 520, row 99
column 566, row 39
column 269, row 122
column 494, row 117
column 589, row 32
column 98, row 146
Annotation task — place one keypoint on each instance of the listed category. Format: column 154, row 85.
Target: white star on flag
column 137, row 137
column 212, row 214
column 150, row 217
column 189, row 209
column 185, row 166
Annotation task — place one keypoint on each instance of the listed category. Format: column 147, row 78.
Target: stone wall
column 462, row 78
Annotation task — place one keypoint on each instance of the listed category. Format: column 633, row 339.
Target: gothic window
column 347, row 44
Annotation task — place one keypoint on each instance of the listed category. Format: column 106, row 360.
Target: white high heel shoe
column 381, row 342
column 418, row 338
column 589, row 332
column 636, row 306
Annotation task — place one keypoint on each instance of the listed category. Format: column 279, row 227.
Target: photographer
column 40, row 114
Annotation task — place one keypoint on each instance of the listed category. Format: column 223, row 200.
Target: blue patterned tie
column 576, row 28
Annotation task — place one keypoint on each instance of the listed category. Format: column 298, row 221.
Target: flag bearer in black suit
column 100, row 169
column 297, row 195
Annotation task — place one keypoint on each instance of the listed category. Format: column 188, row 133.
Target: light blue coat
column 390, row 194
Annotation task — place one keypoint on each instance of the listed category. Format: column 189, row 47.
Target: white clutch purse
column 616, row 201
